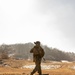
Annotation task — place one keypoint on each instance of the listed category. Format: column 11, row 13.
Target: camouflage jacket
column 37, row 52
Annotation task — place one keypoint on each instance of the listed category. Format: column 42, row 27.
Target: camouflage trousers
column 37, row 67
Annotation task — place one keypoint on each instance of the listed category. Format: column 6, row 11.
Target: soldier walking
column 38, row 53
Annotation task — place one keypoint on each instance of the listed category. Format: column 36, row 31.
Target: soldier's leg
column 35, row 69
column 39, row 67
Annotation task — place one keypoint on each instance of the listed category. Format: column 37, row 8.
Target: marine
column 38, row 53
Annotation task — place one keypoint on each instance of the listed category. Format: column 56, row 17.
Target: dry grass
column 14, row 68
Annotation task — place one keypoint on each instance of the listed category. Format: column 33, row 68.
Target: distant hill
column 22, row 51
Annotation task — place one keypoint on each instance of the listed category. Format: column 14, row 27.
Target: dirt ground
column 14, row 67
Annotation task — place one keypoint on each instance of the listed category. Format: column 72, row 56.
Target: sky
column 49, row 21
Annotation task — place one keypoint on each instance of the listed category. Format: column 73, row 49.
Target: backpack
column 38, row 51
column 41, row 52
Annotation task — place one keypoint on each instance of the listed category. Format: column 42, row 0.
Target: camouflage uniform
column 38, row 53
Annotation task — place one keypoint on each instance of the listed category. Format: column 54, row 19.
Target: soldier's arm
column 31, row 51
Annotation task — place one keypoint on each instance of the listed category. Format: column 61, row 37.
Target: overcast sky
column 50, row 21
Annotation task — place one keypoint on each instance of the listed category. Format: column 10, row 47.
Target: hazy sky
column 50, row 21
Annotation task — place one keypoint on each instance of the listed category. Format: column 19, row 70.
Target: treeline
column 22, row 51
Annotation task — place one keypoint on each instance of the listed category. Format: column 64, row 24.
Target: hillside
column 22, row 51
